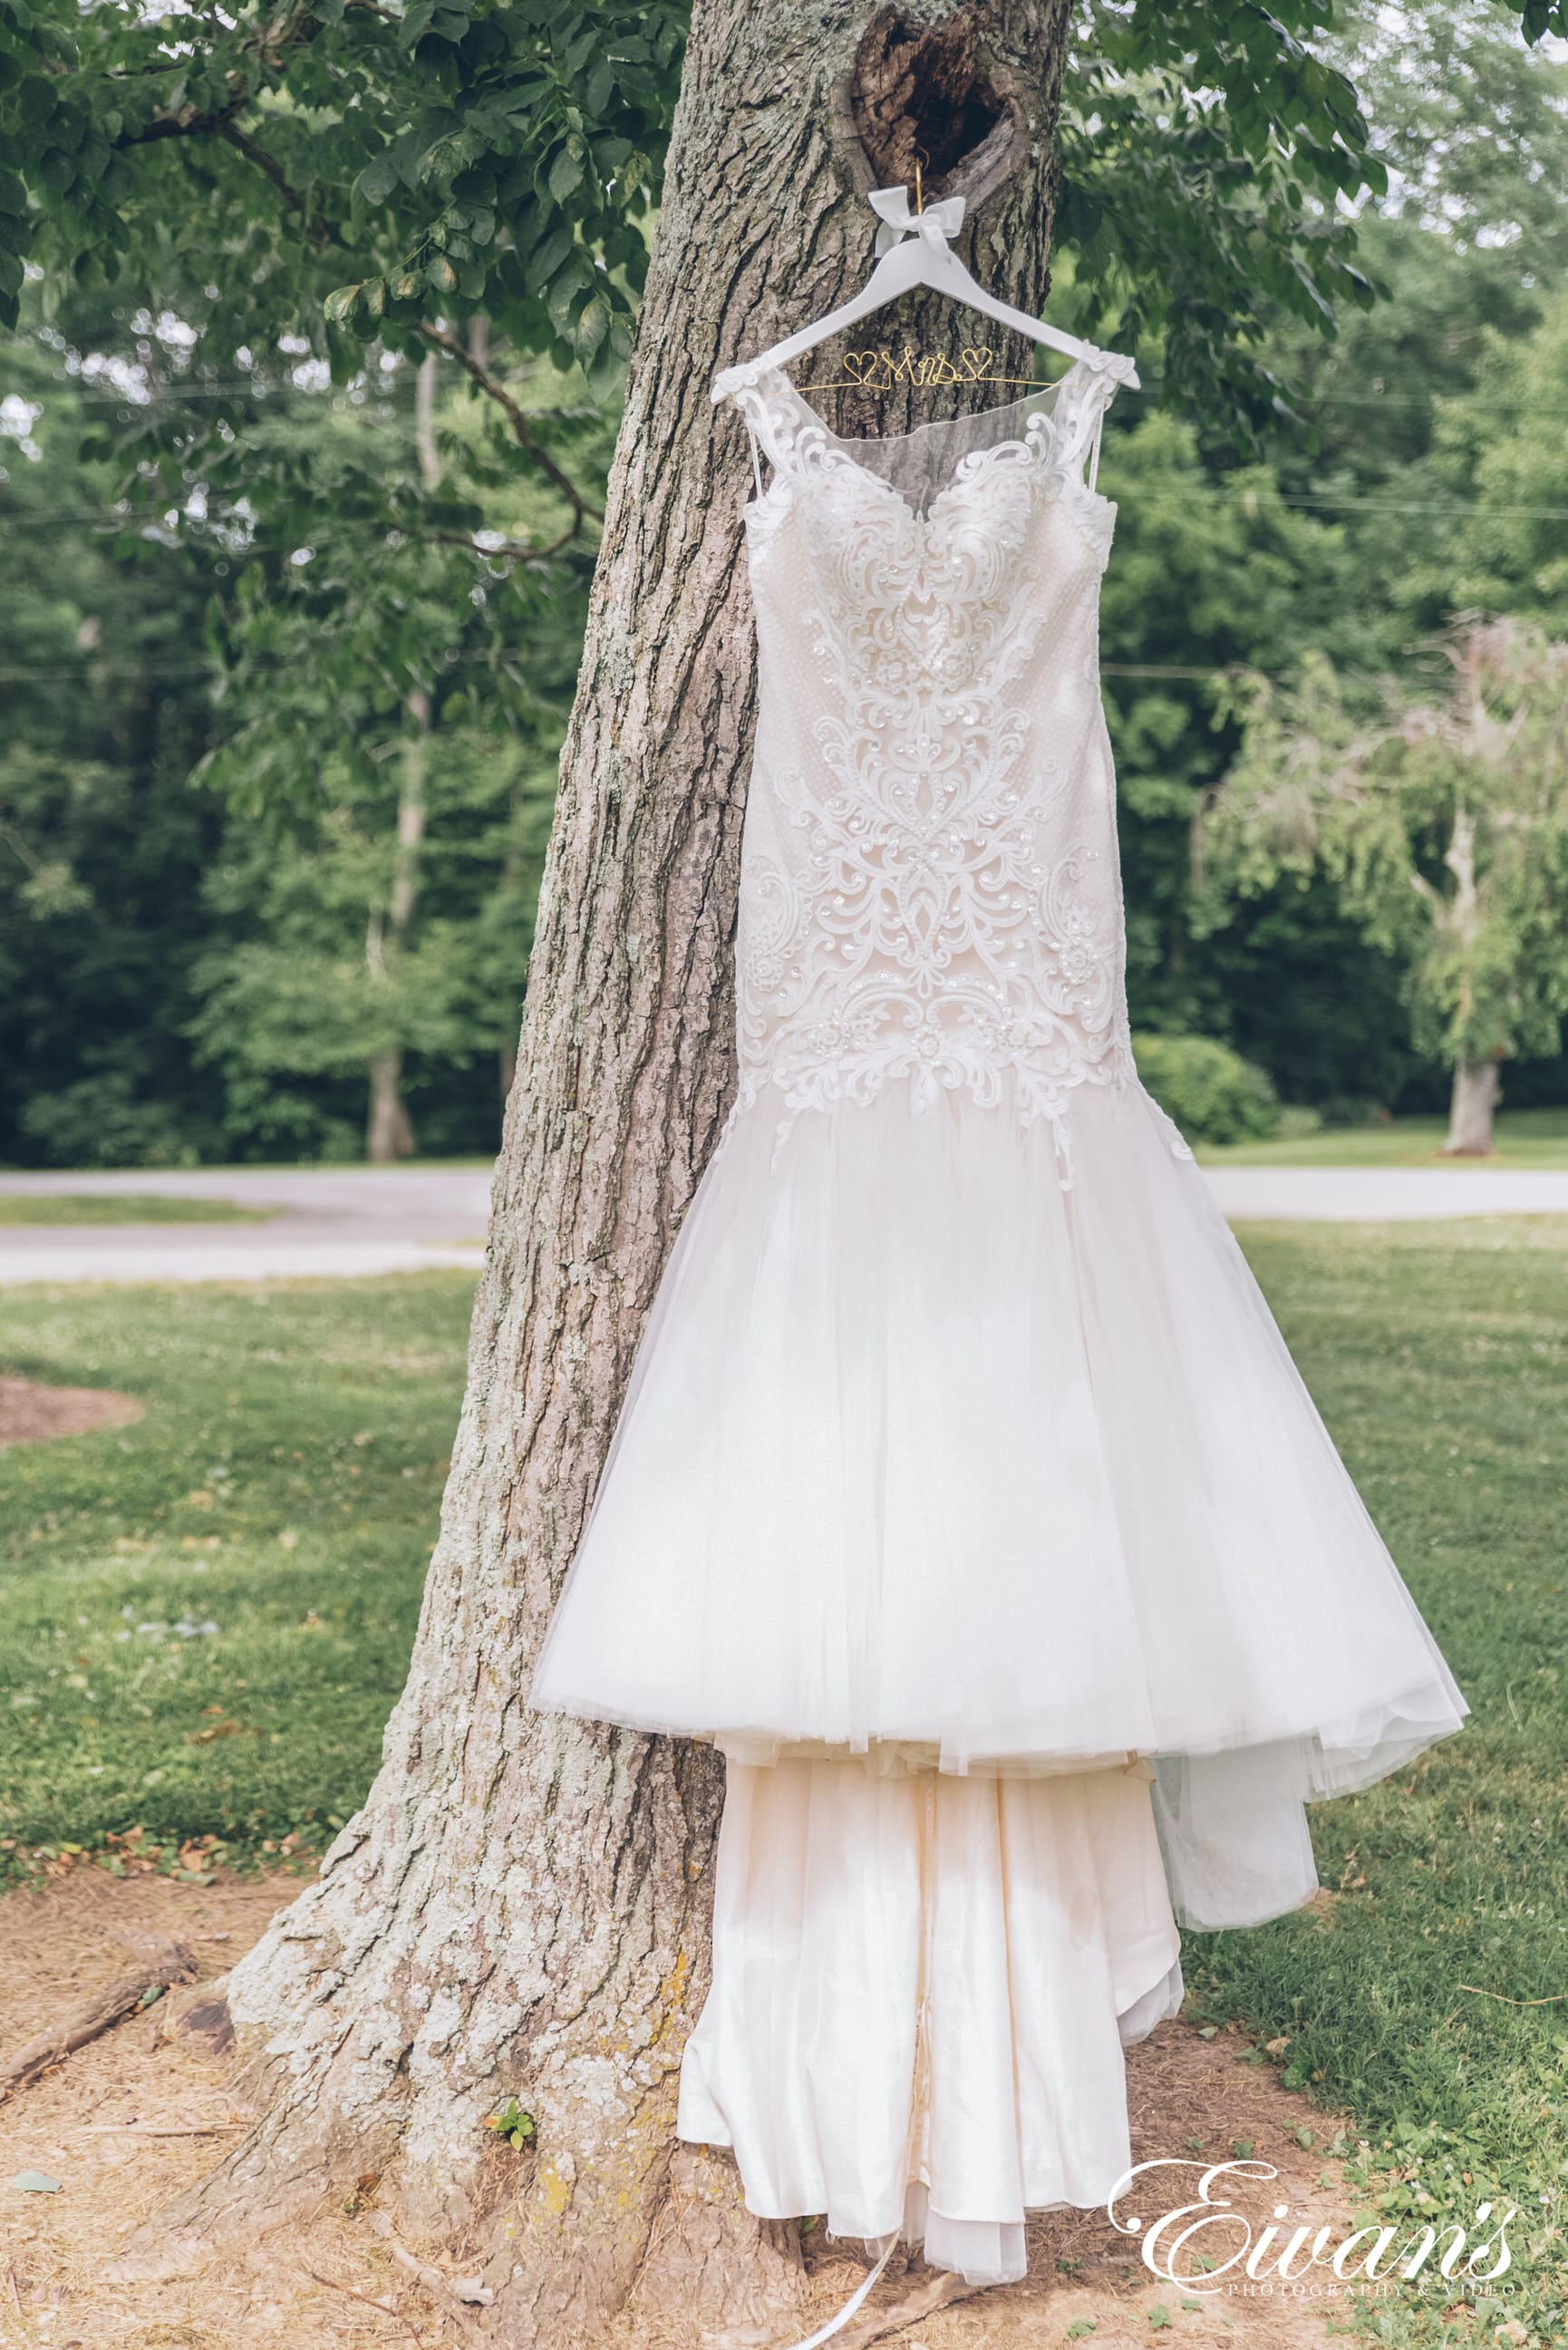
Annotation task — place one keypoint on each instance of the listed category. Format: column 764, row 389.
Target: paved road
column 1386, row 1195
column 330, row 1222
column 339, row 1221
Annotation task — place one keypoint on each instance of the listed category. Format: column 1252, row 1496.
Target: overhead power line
column 1347, row 501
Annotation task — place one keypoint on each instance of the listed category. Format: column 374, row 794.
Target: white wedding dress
column 964, row 1493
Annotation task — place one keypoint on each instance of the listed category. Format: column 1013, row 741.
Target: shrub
column 98, row 1121
column 1213, row 1095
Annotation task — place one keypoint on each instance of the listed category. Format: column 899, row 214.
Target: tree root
column 934, row 2293
column 166, row 1963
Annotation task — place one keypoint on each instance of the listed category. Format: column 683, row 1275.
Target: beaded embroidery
column 929, row 889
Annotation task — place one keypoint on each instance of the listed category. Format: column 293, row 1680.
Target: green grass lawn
column 284, row 1486
column 1524, row 1137
column 208, row 1614
column 1439, row 1356
column 123, row 1208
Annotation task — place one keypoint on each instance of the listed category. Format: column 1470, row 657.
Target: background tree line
column 298, row 566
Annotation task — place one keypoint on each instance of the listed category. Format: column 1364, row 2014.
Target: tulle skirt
column 932, row 1453
column 922, row 1986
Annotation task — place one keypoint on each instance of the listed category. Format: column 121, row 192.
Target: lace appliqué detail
column 922, row 901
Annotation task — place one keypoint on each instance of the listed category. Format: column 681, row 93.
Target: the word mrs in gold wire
column 881, row 370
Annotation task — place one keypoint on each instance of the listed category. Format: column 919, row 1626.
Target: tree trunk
column 425, row 422
column 521, row 1907
column 389, row 1130
column 1478, row 1089
column 390, row 1134
column 1477, row 1083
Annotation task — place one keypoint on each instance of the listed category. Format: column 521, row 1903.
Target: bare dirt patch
column 1191, row 2101
column 127, row 2122
column 35, row 1415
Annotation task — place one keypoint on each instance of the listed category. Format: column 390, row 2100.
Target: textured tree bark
column 1478, row 1089
column 521, row 1907
column 388, row 1130
column 1477, row 1084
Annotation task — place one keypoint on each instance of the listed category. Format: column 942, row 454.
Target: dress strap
column 1083, row 426
column 745, row 387
column 1097, row 435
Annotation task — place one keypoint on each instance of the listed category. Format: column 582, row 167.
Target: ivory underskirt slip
column 922, row 1987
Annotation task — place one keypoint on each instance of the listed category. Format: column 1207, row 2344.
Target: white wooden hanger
column 914, row 251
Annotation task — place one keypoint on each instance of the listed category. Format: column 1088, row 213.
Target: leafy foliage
column 250, row 228
column 1203, row 152
column 289, row 999
column 1442, row 825
column 298, row 144
column 1216, row 164
column 513, row 2123
column 1213, row 1095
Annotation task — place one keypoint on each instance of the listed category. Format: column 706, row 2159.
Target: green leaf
column 604, row 372
column 378, row 178
column 511, row 2123
column 37, row 99
column 564, row 174
column 373, row 298
column 591, row 328
column 339, row 305
column 441, row 276
column 93, row 156
column 540, row 265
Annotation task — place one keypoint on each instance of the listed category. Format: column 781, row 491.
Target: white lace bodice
column 929, row 891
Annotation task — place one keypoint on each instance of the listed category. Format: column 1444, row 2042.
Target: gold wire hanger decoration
column 879, row 370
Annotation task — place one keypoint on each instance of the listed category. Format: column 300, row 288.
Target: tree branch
column 508, row 550
column 441, row 340
column 318, row 232
column 188, row 123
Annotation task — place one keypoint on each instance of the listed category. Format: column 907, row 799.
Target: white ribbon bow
column 937, row 223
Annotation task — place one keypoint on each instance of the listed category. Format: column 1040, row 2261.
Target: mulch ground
column 127, row 2122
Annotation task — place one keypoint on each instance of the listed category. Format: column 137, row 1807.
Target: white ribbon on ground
column 857, row 2298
